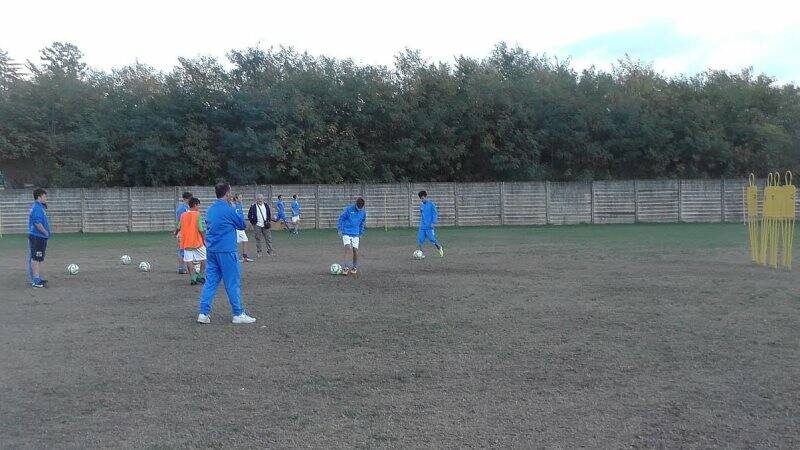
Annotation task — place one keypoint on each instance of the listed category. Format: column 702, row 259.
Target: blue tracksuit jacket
column 352, row 221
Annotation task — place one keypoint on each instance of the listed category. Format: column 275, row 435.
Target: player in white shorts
column 351, row 226
column 295, row 214
column 194, row 257
column 241, row 236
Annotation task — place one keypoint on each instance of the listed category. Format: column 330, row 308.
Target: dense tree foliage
column 279, row 116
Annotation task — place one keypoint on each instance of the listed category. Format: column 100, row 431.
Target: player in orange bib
column 192, row 231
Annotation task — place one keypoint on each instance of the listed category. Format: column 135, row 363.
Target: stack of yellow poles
column 751, row 217
column 774, row 236
column 767, row 247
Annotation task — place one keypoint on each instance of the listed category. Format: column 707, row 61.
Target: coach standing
column 260, row 217
column 38, row 234
column 222, row 223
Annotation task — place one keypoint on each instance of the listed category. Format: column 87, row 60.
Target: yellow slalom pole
column 750, row 211
column 789, row 202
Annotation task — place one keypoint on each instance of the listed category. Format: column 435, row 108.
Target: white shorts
column 241, row 236
column 350, row 240
column 295, row 219
column 194, row 254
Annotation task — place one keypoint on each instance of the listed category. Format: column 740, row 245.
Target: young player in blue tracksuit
column 183, row 206
column 280, row 212
column 222, row 222
column 428, row 217
column 351, row 226
column 295, row 214
column 38, row 234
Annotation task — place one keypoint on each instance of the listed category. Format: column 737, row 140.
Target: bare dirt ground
column 597, row 336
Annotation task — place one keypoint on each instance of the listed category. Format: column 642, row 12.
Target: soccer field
column 598, row 336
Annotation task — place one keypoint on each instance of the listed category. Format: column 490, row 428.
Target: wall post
column 316, row 207
column 591, row 202
column 455, row 201
column 547, row 202
column 83, row 210
column 722, row 200
column 635, row 201
column 130, row 209
column 680, row 200
column 502, row 203
column 410, row 206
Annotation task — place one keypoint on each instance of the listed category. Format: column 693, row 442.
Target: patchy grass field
column 598, row 336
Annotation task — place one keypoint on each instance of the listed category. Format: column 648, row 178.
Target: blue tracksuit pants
column 428, row 234
column 222, row 267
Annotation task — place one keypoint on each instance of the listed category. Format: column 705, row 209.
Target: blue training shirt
column 295, row 208
column 428, row 216
column 36, row 215
column 182, row 208
column 238, row 207
column 352, row 221
column 281, row 209
column 222, row 221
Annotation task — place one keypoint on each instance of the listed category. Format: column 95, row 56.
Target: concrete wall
column 397, row 204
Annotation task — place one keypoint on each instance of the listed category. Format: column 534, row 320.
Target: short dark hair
column 422, row 194
column 279, row 196
column 187, row 195
column 360, row 202
column 294, row 196
column 194, row 201
column 38, row 193
column 221, row 189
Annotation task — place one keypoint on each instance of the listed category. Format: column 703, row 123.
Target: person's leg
column 348, row 250
column 421, row 238
column 231, row 276
column 259, row 234
column 213, row 276
column 202, row 271
column 33, row 264
column 355, row 258
column 431, row 235
column 181, row 263
column 268, row 239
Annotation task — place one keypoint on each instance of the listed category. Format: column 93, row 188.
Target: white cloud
column 112, row 34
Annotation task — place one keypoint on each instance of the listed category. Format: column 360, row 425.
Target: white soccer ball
column 72, row 269
column 336, row 269
column 197, row 268
column 144, row 266
column 125, row 259
column 418, row 254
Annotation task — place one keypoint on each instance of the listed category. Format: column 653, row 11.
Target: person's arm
column 340, row 222
column 363, row 224
column 41, row 229
column 38, row 222
column 434, row 215
column 201, row 225
column 177, row 228
column 237, row 219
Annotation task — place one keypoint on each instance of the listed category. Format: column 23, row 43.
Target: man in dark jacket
column 260, row 217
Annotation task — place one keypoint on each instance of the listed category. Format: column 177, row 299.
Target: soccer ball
column 418, row 254
column 144, row 266
column 125, row 259
column 197, row 268
column 336, row 269
column 72, row 269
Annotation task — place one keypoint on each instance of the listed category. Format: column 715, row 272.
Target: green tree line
column 282, row 116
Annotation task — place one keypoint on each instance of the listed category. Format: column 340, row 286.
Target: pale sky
column 676, row 36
